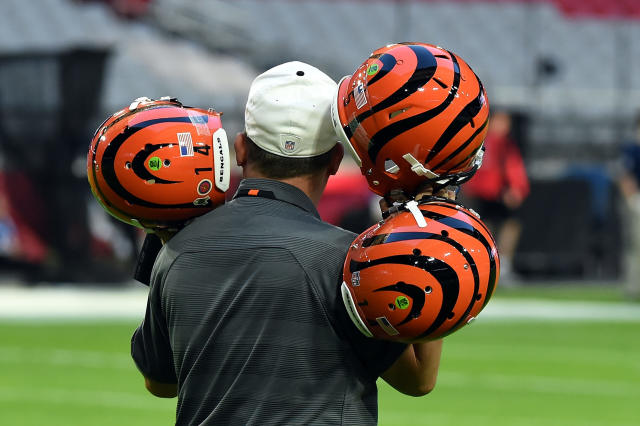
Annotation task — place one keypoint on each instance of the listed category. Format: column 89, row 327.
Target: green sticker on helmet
column 373, row 69
column 155, row 163
column 402, row 302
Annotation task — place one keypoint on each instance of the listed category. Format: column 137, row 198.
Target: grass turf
column 492, row 373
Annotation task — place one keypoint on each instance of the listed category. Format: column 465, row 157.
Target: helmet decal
column 154, row 163
column 424, row 70
column 388, row 62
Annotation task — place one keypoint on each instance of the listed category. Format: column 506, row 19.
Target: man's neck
column 311, row 185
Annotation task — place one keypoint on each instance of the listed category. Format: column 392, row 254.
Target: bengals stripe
column 108, row 167
column 425, row 68
column 462, row 148
column 461, row 120
column 383, row 136
column 444, row 274
column 472, row 232
column 434, row 267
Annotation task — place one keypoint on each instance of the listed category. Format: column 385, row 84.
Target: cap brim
column 339, row 120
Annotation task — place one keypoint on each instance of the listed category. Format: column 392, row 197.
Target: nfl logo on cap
column 289, row 144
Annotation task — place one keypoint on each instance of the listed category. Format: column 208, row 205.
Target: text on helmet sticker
column 221, row 162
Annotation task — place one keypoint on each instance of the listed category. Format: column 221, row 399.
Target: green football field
column 495, row 372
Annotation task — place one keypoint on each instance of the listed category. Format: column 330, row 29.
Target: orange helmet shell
column 158, row 163
column 411, row 112
column 421, row 273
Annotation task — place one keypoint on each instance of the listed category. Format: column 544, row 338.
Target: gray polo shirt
column 244, row 313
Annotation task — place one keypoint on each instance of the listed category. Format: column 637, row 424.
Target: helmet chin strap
column 418, row 168
column 412, row 206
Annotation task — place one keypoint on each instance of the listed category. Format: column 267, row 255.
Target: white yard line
column 538, row 309
column 82, row 397
column 540, row 384
column 66, row 357
column 71, row 303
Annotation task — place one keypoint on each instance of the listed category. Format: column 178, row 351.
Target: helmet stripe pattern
column 425, row 68
column 430, row 265
column 382, row 137
column 388, row 62
column 462, row 148
column 108, row 168
column 464, row 228
column 444, row 274
column 465, row 117
column 414, row 98
column 403, row 236
column 460, row 262
column 153, row 163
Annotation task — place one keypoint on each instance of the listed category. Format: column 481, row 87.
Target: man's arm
column 161, row 390
column 416, row 370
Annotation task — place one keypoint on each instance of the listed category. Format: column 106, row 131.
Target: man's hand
column 426, row 190
column 161, row 390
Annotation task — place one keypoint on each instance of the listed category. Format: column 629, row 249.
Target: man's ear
column 337, row 153
column 240, row 145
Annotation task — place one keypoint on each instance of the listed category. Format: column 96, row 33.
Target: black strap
column 148, row 253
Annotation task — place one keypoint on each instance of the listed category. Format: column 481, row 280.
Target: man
column 244, row 320
column 499, row 188
column 629, row 183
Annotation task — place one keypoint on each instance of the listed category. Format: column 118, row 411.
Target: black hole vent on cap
column 300, row 73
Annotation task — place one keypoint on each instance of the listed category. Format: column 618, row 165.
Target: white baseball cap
column 288, row 112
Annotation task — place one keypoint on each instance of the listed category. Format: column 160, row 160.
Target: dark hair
column 279, row 167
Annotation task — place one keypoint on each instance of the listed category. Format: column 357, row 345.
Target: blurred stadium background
column 559, row 343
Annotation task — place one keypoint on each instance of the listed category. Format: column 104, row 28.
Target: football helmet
column 157, row 163
column 422, row 273
column 412, row 112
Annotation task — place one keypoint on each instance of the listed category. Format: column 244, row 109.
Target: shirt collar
column 281, row 191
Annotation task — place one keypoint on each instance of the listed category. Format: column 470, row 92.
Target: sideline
column 64, row 303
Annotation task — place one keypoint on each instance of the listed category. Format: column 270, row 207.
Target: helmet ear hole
column 396, row 113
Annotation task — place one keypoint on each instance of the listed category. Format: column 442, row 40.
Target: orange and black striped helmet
column 422, row 273
column 412, row 112
column 157, row 163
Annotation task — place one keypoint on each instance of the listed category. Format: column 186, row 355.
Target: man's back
column 250, row 297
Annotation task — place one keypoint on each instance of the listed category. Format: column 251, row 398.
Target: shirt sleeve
column 376, row 355
column 150, row 344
